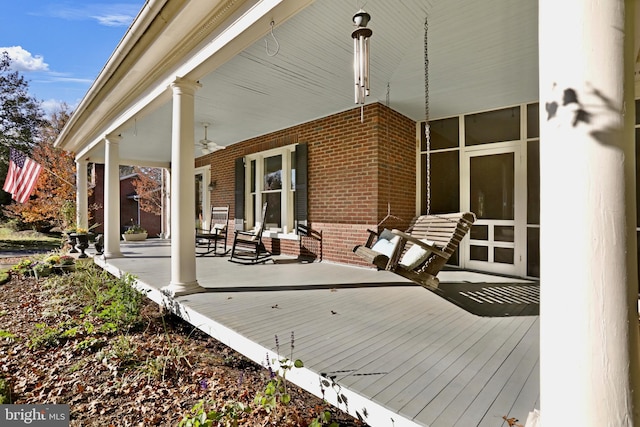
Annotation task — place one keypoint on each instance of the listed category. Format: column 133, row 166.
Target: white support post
column 183, row 223
column 82, row 194
column 112, row 198
column 589, row 285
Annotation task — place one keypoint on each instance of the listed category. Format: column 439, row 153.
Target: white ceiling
column 482, row 54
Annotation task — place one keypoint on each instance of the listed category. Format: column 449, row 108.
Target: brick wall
column 354, row 171
column 128, row 207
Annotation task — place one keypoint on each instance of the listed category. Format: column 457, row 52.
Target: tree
column 55, row 189
column 148, row 186
column 21, row 117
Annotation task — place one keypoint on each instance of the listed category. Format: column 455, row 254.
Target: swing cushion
column 416, row 255
column 386, row 243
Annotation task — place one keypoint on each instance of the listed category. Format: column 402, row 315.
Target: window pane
column 293, row 171
column 445, row 182
column 493, row 126
column 503, row 255
column 479, row 232
column 444, row 134
column 273, row 173
column 274, row 210
column 479, row 253
column 492, row 186
column 637, row 177
column 503, row 233
column 533, row 121
column 253, row 176
column 199, row 191
column 533, row 252
column 638, row 111
column 533, row 182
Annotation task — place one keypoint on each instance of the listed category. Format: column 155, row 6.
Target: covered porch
column 392, row 352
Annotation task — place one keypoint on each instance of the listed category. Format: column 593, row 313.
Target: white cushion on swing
column 386, row 244
column 416, row 255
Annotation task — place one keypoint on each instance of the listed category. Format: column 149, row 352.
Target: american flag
column 22, row 176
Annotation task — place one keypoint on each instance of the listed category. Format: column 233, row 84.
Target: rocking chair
column 422, row 251
column 207, row 240
column 247, row 245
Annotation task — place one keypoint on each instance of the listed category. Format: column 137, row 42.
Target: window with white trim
column 270, row 176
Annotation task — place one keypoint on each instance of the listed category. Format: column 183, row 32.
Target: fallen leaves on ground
column 151, row 376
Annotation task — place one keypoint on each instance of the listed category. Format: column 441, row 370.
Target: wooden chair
column 247, row 245
column 422, row 251
column 207, row 240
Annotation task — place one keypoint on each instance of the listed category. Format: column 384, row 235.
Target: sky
column 60, row 47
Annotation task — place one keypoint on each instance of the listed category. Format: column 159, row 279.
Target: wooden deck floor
column 395, row 353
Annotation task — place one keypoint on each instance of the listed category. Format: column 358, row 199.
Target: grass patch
column 11, row 240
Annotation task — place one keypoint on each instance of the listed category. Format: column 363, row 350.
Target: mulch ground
column 151, row 376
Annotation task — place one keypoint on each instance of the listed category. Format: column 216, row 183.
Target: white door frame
column 518, row 268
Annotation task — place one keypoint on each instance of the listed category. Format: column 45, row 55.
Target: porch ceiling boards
column 482, row 55
column 394, row 350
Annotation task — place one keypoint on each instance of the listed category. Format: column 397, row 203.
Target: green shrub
column 5, row 392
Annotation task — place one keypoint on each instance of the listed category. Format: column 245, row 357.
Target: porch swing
column 420, row 252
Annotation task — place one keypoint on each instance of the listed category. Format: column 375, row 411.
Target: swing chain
column 427, row 129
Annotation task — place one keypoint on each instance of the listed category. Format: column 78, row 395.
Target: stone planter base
column 134, row 237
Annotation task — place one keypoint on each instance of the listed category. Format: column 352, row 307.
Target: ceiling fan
column 206, row 145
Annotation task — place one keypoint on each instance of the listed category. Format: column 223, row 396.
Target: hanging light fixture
column 206, row 145
column 361, row 37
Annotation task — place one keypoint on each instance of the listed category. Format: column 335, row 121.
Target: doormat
column 494, row 299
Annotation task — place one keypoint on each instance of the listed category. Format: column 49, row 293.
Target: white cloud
column 23, row 60
column 110, row 15
column 116, row 20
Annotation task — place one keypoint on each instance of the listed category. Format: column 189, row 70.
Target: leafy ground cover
column 88, row 340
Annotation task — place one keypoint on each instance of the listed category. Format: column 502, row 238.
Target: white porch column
column 589, row 285
column 183, row 255
column 82, row 194
column 112, row 197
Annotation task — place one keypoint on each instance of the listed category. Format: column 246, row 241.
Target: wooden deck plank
column 416, row 343
column 530, row 393
column 505, row 401
column 422, row 380
column 418, row 360
column 478, row 411
column 439, row 393
column 455, row 397
column 358, row 359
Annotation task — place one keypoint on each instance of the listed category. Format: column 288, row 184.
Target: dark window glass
column 479, row 232
column 274, row 210
column 503, row 233
column 503, row 255
column 637, row 177
column 492, row 186
column 479, row 253
column 444, row 133
column 492, row 126
column 533, row 252
column 533, row 121
column 533, row 182
column 638, row 111
column 445, row 182
column 253, row 176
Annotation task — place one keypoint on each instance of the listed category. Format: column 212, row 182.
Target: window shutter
column 239, row 194
column 301, row 195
